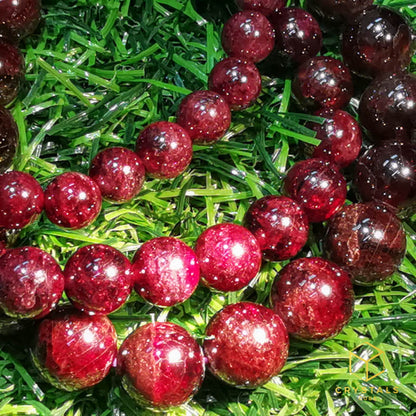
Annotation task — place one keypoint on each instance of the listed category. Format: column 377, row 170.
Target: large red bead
column 246, row 344
column 161, row 365
column 263, row 6
column 31, row 282
column 165, row 149
column 314, row 297
column 98, row 279
column 12, row 70
column 8, row 139
column 72, row 200
column 339, row 10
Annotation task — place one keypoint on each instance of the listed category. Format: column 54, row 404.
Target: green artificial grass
column 98, row 71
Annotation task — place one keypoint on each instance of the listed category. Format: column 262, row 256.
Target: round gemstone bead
column 367, row 240
column 8, row 139
column 12, row 70
column 21, row 200
column 318, row 187
column 314, row 297
column 165, row 149
column 323, row 82
column 73, row 350
column 72, row 200
column 260, row 356
column 161, row 365
column 98, row 279
column 31, row 282
column 229, row 257
column 237, row 80
column 379, row 41
column 265, row 7
column 166, row 271
column 339, row 10
column 3, row 241
column 279, row 225
column 119, row 173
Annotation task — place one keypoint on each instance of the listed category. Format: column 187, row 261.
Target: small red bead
column 72, row 200
column 21, row 200
column 3, row 241
column 238, row 81
column 314, row 297
column 265, row 7
column 12, row 71
column 339, row 10
column 8, row 139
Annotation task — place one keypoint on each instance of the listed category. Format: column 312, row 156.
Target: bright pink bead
column 72, row 200
column 9, row 137
column 205, row 115
column 31, row 282
column 237, row 80
column 280, row 226
column 12, row 70
column 339, row 10
column 166, row 271
column 21, row 199
column 161, row 365
column 98, row 279
column 314, row 297
column 246, row 344
column 165, row 149
column 265, row 7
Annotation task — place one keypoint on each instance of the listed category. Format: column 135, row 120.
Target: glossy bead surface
column 318, row 187
column 8, row 139
column 73, row 350
column 238, row 81
column 165, row 149
column 205, row 115
column 246, row 344
column 367, row 240
column 339, row 10
column 379, row 41
column 229, row 257
column 314, row 297
column 161, row 365
column 323, row 82
column 21, row 199
column 166, row 271
column 31, row 282
column 72, row 200
column 265, row 7
column 280, row 226
column 119, row 173
column 12, row 69
column 98, row 279
column 3, row 241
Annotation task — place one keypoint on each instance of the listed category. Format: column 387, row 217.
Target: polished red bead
column 323, row 82
column 73, row 350
column 229, row 257
column 98, row 279
column 280, row 226
column 166, row 271
column 246, row 344
column 161, row 365
column 31, row 282
column 314, row 297
column 119, row 173
column 3, row 241
column 12, row 70
column 8, row 139
column 318, row 187
column 367, row 240
column 339, row 10
column 379, row 41
column 265, row 7
column 237, row 80
column 165, row 149
column 21, row 199
column 72, row 200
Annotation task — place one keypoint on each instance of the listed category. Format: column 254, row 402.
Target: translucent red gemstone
column 8, row 139
column 339, row 10
column 12, row 70
column 3, row 241
column 263, row 6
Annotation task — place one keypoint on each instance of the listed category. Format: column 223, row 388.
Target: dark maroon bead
column 388, row 107
column 31, row 282
column 166, row 271
column 21, row 199
column 98, row 279
column 339, row 10
column 246, row 344
column 12, row 70
column 265, row 7
column 8, row 139
column 205, row 115
column 340, row 135
column 318, row 187
column 379, row 41
column 73, row 350
column 229, row 257
column 314, row 297
column 72, row 200
column 3, row 241
column 238, row 81
column 280, row 226
column 323, row 82
column 367, row 240
column 161, row 365
column 119, row 173
column 165, row 149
